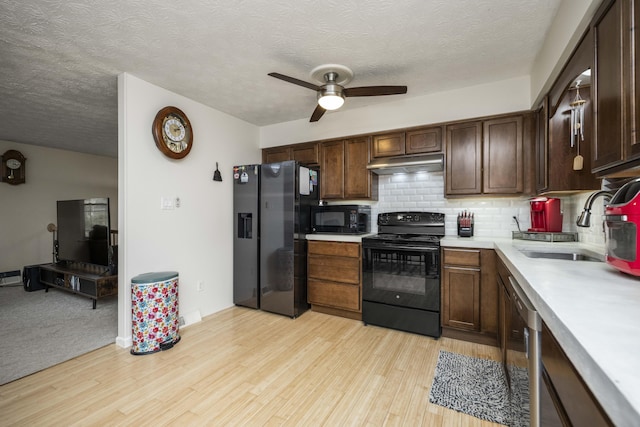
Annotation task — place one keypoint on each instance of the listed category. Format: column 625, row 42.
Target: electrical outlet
column 200, row 286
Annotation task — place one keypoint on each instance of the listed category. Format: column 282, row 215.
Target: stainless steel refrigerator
column 272, row 214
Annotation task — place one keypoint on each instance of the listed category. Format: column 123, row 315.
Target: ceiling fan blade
column 295, row 81
column 317, row 113
column 374, row 90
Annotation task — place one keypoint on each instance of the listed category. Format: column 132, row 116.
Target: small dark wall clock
column 13, row 167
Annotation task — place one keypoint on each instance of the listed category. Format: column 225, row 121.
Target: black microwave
column 341, row 219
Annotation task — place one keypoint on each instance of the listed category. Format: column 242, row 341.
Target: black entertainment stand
column 89, row 280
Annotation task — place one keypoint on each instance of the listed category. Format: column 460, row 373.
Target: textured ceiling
column 59, row 60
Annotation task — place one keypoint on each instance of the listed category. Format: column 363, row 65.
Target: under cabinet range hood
column 407, row 164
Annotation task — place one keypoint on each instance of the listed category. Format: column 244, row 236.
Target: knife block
column 465, row 230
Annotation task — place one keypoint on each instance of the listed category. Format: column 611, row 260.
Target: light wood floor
column 248, row 367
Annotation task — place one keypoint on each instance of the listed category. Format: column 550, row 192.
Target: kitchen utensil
column 216, row 175
column 465, row 224
column 578, row 161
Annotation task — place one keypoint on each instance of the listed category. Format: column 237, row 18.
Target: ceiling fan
column 331, row 91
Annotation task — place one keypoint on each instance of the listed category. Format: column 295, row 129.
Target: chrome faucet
column 584, row 220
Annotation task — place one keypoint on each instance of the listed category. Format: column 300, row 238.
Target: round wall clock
column 172, row 132
column 13, row 167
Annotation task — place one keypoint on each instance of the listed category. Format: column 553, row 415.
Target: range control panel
column 411, row 218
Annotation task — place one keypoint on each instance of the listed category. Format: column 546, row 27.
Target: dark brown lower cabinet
column 334, row 283
column 573, row 402
column 469, row 309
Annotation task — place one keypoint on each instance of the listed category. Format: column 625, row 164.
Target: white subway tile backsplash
column 493, row 215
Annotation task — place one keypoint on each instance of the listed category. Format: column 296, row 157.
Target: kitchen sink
column 581, row 255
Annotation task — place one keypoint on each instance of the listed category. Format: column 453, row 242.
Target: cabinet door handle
column 461, row 268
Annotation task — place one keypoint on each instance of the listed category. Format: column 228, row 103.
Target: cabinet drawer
column 470, row 257
column 337, row 269
column 331, row 294
column 342, row 249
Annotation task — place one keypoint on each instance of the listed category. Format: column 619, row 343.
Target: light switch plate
column 166, row 203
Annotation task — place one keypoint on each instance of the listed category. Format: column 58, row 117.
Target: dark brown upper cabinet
column 359, row 182
column 616, row 145
column 492, row 156
column 388, row 145
column 464, row 158
column 307, row 154
column 415, row 141
column 332, row 170
column 276, row 154
column 503, row 156
column 542, row 146
column 343, row 170
column 557, row 170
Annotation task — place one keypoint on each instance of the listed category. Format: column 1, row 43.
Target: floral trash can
column 154, row 309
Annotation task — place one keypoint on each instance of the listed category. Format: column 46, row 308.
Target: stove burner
column 413, row 228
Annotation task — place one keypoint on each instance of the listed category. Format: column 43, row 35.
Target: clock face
column 175, row 134
column 14, row 164
column 172, row 132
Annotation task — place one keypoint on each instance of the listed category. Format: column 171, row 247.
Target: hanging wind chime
column 577, row 126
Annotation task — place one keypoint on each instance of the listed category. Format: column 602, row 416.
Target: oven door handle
column 403, row 248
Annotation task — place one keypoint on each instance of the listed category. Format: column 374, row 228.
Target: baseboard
column 185, row 320
column 337, row 312
column 476, row 337
column 190, row 318
column 124, row 342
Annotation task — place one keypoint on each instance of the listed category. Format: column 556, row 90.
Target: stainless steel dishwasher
column 523, row 348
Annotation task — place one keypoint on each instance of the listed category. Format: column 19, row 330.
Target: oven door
column 402, row 275
column 622, row 244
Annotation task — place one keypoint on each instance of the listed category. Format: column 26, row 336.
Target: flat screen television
column 84, row 229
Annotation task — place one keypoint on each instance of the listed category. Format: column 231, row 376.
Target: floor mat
column 478, row 387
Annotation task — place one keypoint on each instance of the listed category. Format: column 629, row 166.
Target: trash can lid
column 154, row 277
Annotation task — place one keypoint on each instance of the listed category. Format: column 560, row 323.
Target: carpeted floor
column 478, row 387
column 41, row 329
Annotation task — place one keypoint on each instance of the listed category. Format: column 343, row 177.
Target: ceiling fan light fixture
column 331, row 97
column 330, row 90
column 330, row 102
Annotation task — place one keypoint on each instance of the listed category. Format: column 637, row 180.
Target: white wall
column 51, row 175
column 570, row 23
column 194, row 239
column 483, row 100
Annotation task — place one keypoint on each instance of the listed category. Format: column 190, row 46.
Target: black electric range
column 401, row 272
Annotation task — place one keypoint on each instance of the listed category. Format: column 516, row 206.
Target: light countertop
column 593, row 311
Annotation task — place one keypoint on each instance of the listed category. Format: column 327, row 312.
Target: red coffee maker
column 546, row 215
